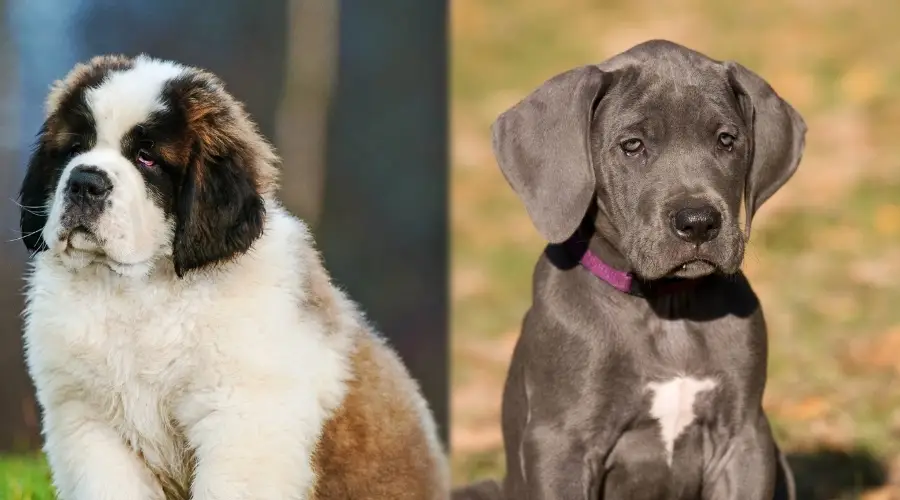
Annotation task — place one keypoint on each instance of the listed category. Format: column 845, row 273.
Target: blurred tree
column 384, row 219
column 18, row 422
column 301, row 130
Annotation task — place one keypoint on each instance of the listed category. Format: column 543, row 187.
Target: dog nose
column 88, row 185
column 697, row 225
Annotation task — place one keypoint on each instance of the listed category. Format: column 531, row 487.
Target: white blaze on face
column 673, row 406
column 132, row 228
column 126, row 98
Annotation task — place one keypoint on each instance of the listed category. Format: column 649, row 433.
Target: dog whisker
column 35, row 210
column 24, row 235
column 39, row 214
column 25, row 206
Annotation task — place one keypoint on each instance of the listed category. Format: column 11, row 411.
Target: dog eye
column 632, row 147
column 144, row 158
column 726, row 141
column 74, row 149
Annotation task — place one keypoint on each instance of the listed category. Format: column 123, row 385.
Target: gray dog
column 641, row 366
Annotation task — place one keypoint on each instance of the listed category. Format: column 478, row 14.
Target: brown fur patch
column 175, row 153
column 224, row 128
column 375, row 447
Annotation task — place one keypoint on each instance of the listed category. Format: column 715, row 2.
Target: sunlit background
column 825, row 253
column 352, row 93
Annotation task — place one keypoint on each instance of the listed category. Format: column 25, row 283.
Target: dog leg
column 256, row 443
column 785, row 487
column 89, row 459
column 749, row 472
column 555, row 466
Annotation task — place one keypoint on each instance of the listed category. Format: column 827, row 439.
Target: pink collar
column 628, row 283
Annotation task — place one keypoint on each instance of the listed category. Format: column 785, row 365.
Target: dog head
column 658, row 144
column 140, row 160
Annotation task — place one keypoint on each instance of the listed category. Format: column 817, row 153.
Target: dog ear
column 38, row 186
column 778, row 137
column 542, row 145
column 219, row 212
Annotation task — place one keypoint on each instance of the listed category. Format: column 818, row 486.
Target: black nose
column 88, row 185
column 697, row 225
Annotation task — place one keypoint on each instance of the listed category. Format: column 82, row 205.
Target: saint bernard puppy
column 181, row 331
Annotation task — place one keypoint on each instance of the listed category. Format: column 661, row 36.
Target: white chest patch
column 673, row 406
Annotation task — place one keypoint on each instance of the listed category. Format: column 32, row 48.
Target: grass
column 24, row 478
column 825, row 252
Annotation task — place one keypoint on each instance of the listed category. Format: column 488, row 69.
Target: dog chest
column 124, row 361
column 142, row 416
column 665, row 445
column 110, row 347
column 672, row 406
column 134, row 392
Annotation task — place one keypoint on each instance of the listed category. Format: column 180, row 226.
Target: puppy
column 183, row 336
column 641, row 366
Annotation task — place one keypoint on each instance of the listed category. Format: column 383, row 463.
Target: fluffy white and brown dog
column 183, row 336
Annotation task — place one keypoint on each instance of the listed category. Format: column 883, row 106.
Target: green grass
column 24, row 478
column 832, row 352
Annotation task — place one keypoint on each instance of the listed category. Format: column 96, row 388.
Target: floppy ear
column 542, row 145
column 778, row 137
column 219, row 212
column 37, row 189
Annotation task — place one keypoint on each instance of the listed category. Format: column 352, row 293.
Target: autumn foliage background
column 825, row 253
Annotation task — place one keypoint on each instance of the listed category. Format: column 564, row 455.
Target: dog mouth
column 80, row 239
column 82, row 248
column 695, row 268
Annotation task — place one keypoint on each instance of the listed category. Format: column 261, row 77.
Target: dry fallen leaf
column 883, row 351
column 863, row 83
column 887, row 219
column 806, row 409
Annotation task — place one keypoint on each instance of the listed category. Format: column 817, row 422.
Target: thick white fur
column 246, row 377
column 142, row 374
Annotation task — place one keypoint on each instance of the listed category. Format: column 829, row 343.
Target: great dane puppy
column 641, row 366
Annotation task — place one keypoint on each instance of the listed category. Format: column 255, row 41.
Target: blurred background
column 825, row 253
column 354, row 96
